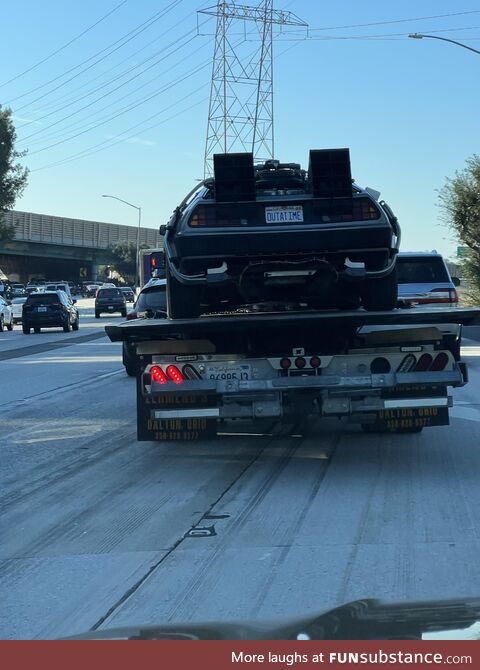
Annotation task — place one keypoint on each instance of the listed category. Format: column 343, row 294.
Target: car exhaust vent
column 234, row 177
column 330, row 174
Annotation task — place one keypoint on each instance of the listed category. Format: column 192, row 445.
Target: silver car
column 17, row 304
column 424, row 279
column 6, row 315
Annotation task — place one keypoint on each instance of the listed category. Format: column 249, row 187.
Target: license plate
column 42, row 309
column 284, row 214
column 110, row 307
column 228, row 372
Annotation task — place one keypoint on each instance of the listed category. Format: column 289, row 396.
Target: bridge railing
column 48, row 229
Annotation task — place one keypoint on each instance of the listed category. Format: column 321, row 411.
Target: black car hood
column 358, row 620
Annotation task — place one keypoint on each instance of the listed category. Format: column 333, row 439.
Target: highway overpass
column 63, row 248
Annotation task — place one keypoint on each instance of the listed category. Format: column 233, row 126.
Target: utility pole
column 240, row 116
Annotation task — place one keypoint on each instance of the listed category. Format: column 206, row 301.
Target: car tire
column 10, row 325
column 131, row 369
column 25, row 329
column 124, row 313
column 67, row 327
column 183, row 301
column 37, row 330
column 2, row 323
column 380, row 294
column 76, row 324
column 97, row 315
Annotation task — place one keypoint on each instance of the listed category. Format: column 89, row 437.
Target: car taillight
column 440, row 295
column 285, row 363
column 440, row 362
column 132, row 315
column 206, row 216
column 158, row 375
column 175, row 375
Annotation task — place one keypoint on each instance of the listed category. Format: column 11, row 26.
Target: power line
column 126, row 109
column 75, row 125
column 136, row 31
column 116, row 88
column 99, row 147
column 67, row 44
column 383, row 23
column 116, row 66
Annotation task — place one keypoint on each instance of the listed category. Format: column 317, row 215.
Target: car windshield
column 42, row 298
column 109, row 293
column 420, row 270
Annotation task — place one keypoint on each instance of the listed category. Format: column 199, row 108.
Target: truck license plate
column 240, row 372
column 411, row 417
column 284, row 214
column 42, row 309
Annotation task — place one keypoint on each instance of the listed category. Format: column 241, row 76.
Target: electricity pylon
column 240, row 116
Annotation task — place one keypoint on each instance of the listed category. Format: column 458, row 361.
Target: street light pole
column 139, row 210
column 420, row 36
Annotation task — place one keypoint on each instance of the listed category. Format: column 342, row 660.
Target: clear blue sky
column 408, row 109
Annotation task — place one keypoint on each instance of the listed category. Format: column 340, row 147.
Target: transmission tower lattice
column 240, row 116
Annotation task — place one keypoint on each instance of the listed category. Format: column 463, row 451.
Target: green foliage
column 124, row 256
column 7, row 231
column 460, row 204
column 13, row 176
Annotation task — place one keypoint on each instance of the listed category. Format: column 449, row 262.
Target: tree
column 460, row 204
column 13, row 177
column 124, row 256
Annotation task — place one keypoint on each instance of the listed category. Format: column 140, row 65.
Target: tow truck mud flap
column 408, row 418
column 158, row 420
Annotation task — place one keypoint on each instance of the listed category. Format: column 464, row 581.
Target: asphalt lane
column 100, row 531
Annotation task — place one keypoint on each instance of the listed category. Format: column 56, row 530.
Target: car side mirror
column 456, row 281
column 9, row 302
column 163, row 229
column 74, row 301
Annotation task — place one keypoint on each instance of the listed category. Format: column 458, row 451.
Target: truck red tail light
column 440, row 362
column 285, row 363
column 300, row 362
column 158, row 375
column 424, row 363
column 315, row 362
column 132, row 315
column 174, row 374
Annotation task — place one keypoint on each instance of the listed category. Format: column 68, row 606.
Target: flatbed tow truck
column 388, row 371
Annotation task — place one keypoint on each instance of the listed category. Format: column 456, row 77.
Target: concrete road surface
column 100, row 531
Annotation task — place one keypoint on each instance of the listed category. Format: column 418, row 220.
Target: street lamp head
column 416, row 36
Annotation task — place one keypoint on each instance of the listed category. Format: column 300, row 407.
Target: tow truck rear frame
column 388, row 371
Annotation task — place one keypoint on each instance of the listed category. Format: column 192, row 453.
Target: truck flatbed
column 272, row 322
